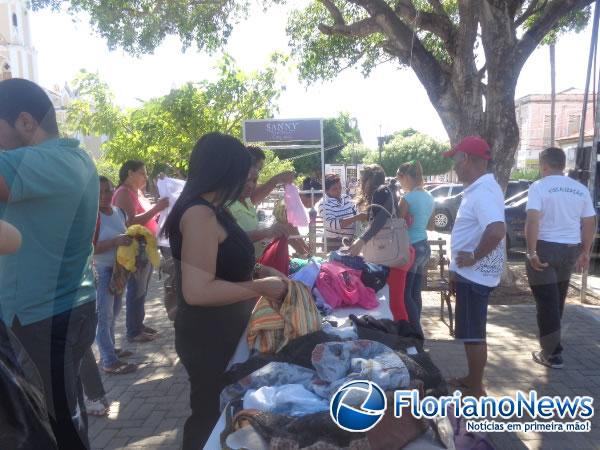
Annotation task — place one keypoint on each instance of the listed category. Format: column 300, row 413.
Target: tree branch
column 438, row 24
column 335, row 12
column 551, row 14
column 437, row 7
column 530, row 11
column 403, row 42
column 362, row 28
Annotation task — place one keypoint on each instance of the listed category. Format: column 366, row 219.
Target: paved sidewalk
column 151, row 405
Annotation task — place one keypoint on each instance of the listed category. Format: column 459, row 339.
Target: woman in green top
column 244, row 212
column 418, row 204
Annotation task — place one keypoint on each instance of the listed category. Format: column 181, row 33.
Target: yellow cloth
column 126, row 255
column 269, row 330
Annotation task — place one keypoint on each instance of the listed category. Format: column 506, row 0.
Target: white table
column 339, row 315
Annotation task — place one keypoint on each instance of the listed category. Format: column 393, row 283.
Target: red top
column 141, row 205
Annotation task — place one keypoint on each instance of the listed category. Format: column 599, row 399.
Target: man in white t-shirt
column 477, row 254
column 560, row 229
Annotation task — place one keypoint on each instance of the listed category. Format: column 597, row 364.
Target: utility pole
column 552, row 93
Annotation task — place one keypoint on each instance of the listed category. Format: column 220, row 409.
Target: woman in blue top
column 418, row 204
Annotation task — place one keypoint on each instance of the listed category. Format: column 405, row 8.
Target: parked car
column 446, row 190
column 516, row 186
column 515, row 214
column 444, row 212
column 445, row 209
column 429, row 186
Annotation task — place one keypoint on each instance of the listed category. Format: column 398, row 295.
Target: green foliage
column 525, row 174
column 337, row 132
column 164, row 130
column 416, row 147
column 273, row 166
column 353, row 154
column 109, row 169
column 324, row 57
column 139, row 26
column 575, row 21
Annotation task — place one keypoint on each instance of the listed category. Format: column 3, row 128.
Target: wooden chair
column 437, row 279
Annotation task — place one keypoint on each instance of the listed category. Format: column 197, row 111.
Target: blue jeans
column 135, row 298
column 108, row 307
column 413, row 301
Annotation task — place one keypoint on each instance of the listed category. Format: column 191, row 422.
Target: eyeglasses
column 459, row 157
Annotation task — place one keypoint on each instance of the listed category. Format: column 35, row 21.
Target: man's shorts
column 471, row 310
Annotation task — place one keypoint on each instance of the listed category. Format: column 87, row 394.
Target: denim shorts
column 471, row 309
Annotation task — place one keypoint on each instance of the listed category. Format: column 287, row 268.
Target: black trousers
column 549, row 288
column 56, row 346
column 205, row 340
column 90, row 377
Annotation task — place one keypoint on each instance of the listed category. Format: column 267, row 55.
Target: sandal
column 459, row 384
column 149, row 330
column 142, row 337
column 123, row 353
column 120, row 368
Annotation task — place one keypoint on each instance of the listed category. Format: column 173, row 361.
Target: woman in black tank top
column 214, row 262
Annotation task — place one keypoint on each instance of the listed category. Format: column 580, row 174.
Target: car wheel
column 441, row 220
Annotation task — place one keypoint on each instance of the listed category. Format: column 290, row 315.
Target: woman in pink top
column 130, row 198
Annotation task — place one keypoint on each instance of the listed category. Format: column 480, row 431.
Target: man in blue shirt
column 49, row 192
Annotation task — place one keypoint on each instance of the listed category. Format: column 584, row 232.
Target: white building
column 18, row 58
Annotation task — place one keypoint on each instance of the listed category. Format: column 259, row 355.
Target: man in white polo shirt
column 560, row 229
column 477, row 254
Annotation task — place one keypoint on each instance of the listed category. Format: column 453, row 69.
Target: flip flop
column 120, row 368
column 123, row 353
column 457, row 383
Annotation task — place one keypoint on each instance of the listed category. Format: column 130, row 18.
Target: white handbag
column 391, row 245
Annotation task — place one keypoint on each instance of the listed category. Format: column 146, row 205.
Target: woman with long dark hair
column 374, row 191
column 214, row 261
column 129, row 196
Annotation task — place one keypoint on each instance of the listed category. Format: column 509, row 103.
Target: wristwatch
column 257, row 268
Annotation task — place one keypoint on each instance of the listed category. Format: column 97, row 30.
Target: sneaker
column 554, row 362
column 98, row 407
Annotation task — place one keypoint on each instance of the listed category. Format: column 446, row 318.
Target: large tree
column 163, row 130
column 468, row 54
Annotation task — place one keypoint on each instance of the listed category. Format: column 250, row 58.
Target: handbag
column 390, row 246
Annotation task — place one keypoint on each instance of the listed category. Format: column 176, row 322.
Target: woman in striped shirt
column 338, row 212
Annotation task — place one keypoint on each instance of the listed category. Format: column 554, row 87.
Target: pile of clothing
column 281, row 399
column 341, row 281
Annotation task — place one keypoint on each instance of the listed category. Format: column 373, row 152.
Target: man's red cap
column 473, row 145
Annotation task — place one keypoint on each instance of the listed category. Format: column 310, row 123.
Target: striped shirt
column 332, row 211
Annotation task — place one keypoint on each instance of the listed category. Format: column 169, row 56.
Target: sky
column 390, row 99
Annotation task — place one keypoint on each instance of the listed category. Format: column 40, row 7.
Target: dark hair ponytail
column 131, row 165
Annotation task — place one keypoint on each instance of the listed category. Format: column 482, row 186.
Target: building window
column 547, row 141
column 14, row 20
column 574, row 124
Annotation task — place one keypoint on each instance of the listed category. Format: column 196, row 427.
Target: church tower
column 18, row 58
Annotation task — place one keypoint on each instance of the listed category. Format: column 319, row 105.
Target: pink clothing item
column 141, row 205
column 341, row 286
